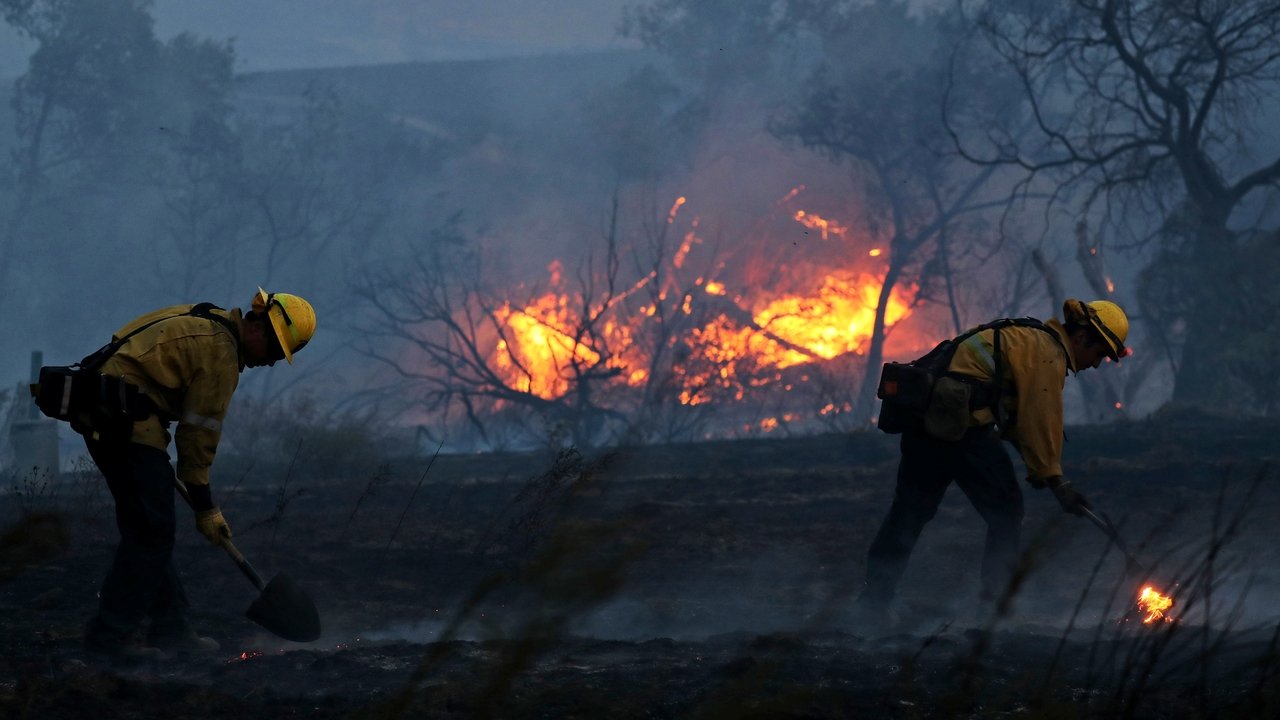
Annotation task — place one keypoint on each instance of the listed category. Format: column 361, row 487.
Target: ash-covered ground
column 705, row 580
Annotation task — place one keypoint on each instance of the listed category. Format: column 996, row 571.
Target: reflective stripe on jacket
column 189, row 367
column 1034, row 368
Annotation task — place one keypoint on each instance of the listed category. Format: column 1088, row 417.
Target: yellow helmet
column 293, row 319
column 1106, row 317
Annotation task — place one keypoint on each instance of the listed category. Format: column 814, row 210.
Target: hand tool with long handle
column 281, row 607
column 1104, row 523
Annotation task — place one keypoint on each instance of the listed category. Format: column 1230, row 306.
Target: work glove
column 213, row 526
column 1071, row 501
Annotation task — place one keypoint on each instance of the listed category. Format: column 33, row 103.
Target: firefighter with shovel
column 178, row 365
column 1002, row 380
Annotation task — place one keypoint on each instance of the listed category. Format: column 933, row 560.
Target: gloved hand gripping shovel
column 1132, row 566
column 282, row 607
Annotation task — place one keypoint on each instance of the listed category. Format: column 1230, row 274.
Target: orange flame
column 1155, row 605
column 540, row 350
column 837, row 320
column 740, row 335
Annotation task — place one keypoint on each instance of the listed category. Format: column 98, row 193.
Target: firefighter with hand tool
column 953, row 406
column 176, row 365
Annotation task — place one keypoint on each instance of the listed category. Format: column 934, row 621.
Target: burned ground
column 707, row 580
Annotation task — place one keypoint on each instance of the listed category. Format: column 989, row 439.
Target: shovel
column 1132, row 566
column 281, row 607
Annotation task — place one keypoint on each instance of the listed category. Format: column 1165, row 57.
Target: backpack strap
column 990, row 393
column 95, row 360
column 203, row 310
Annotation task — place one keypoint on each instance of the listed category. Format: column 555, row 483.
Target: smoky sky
column 287, row 34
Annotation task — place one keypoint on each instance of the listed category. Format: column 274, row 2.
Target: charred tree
column 1148, row 108
column 548, row 353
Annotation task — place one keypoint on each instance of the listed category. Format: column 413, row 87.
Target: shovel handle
column 243, row 564
column 1104, row 524
column 227, row 545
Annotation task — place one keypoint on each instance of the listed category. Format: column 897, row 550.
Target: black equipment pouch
column 55, row 390
column 96, row 405
column 905, row 390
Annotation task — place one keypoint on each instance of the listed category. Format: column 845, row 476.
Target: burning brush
column 1153, row 605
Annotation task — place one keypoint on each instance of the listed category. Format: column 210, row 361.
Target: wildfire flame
column 835, row 320
column 1154, row 604
column 739, row 335
column 539, row 347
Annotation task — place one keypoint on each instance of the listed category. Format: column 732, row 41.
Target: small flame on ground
column 1151, row 602
column 246, row 655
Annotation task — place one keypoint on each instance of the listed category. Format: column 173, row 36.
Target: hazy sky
column 275, row 34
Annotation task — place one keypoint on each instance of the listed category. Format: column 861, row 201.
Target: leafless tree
column 623, row 351
column 438, row 322
column 662, row 414
column 1149, row 109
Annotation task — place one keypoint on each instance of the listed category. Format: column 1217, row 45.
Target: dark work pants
column 142, row 583
column 977, row 463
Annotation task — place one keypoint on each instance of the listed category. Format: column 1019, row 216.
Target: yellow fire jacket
column 189, row 367
column 1034, row 370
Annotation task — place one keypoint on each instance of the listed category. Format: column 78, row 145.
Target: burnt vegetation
column 697, row 580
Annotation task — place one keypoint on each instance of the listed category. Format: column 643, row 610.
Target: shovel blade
column 285, row 610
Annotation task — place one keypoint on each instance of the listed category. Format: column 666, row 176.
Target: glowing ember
column 675, row 208
column 246, row 655
column 1151, row 602
column 821, row 224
